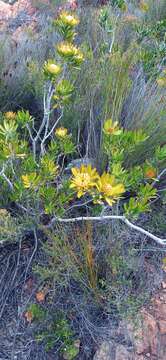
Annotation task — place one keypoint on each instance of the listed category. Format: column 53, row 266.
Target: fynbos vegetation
column 82, row 172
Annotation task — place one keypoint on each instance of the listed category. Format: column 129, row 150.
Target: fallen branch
column 109, row 217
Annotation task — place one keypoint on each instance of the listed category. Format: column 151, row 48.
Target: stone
column 162, row 348
column 148, row 339
column 106, row 351
column 17, row 14
column 146, row 335
column 122, row 353
column 163, row 285
column 125, row 330
column 162, row 327
column 160, row 310
column 139, row 342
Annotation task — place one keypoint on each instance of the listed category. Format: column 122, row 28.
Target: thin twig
column 159, row 177
column 54, row 126
column 2, row 174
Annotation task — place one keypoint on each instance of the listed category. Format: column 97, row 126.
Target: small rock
column 122, row 353
column 163, row 285
column 162, row 298
column 106, row 351
column 161, row 310
column 146, row 336
column 162, row 348
column 162, row 327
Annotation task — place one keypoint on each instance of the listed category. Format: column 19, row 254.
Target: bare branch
column 54, row 126
column 2, row 174
column 8, row 181
column 159, row 177
column 30, row 132
column 145, row 232
column 110, row 217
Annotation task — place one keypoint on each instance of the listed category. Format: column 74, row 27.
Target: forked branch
column 110, row 217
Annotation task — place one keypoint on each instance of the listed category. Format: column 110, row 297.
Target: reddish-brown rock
column 16, row 15
column 162, row 327
column 5, row 11
column 148, row 339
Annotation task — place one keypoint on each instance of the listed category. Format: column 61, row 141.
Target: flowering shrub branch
column 35, row 175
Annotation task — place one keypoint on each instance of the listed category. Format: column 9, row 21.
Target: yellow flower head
column 161, row 82
column 84, row 179
column 108, row 189
column 150, row 173
column 68, row 19
column 61, row 132
column 4, row 213
column 111, row 128
column 52, row 69
column 144, row 6
column 68, row 50
column 30, row 180
column 10, row 115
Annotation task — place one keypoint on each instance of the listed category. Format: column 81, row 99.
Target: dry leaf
column 40, row 296
column 29, row 316
column 29, row 284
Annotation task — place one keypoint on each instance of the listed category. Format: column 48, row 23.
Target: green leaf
column 160, row 153
column 8, row 130
column 64, row 91
column 24, row 117
column 48, row 169
column 147, row 192
column 135, row 177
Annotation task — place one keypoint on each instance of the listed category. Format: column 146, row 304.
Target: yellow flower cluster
column 10, row 115
column 111, row 128
column 68, row 19
column 108, row 189
column 61, row 132
column 150, row 172
column 52, row 69
column 30, row 180
column 4, row 212
column 144, row 6
column 104, row 188
column 161, row 82
column 68, row 50
column 84, row 179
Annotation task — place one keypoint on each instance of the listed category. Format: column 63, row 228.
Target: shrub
column 94, row 270
column 10, row 228
column 35, row 175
